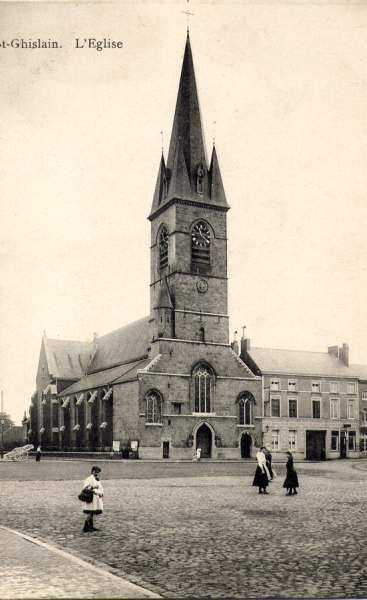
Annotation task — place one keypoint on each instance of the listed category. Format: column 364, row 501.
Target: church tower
column 188, row 289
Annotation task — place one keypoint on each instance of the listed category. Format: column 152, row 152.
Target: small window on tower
column 163, row 247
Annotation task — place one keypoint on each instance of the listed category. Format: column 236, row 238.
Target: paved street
column 206, row 535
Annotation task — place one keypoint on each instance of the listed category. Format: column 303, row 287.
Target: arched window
column 202, row 334
column 203, row 380
column 200, row 244
column 163, row 247
column 245, row 408
column 153, row 407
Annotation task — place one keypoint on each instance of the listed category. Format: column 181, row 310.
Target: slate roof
column 121, row 346
column 67, row 359
column 300, row 362
column 106, row 377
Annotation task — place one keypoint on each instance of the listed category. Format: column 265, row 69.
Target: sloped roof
column 299, row 362
column 106, row 377
column 67, row 359
column 121, row 346
column 360, row 371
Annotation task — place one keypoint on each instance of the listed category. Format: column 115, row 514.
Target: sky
column 282, row 87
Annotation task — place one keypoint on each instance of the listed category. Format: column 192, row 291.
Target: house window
column 275, row 440
column 333, row 387
column 364, row 418
column 352, row 440
column 334, row 408
column 245, row 407
column 364, row 395
column 153, row 407
column 203, row 384
column 163, row 247
column 292, row 385
column 275, row 385
column 292, row 408
column 351, row 409
column 177, row 408
column 292, row 440
column 351, row 388
column 363, row 442
column 316, row 409
column 275, row 407
column 315, row 387
column 200, row 244
column 335, row 440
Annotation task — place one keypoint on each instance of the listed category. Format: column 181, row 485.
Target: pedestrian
column 262, row 475
column 291, row 480
column 268, row 458
column 96, row 506
column 38, row 454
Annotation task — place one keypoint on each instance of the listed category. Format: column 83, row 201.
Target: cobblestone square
column 189, row 530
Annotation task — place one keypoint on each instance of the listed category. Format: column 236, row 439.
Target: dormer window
column 199, row 179
column 163, row 247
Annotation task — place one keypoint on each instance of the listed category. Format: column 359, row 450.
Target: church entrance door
column 204, row 441
column 246, row 444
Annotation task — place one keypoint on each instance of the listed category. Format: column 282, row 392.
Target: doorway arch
column 204, row 440
column 246, row 445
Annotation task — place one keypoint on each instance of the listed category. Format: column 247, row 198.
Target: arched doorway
column 246, row 445
column 204, row 441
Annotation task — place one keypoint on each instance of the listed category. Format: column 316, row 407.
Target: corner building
column 171, row 381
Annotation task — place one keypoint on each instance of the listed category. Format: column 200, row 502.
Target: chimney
column 234, row 344
column 344, row 354
column 245, row 345
column 334, row 351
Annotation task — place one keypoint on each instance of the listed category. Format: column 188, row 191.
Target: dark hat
column 95, row 470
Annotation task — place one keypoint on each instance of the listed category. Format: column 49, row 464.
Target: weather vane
column 243, row 330
column 188, row 15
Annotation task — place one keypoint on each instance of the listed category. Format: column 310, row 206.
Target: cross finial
column 162, row 141
column 214, row 131
column 188, row 15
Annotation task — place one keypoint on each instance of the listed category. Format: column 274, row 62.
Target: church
column 171, row 382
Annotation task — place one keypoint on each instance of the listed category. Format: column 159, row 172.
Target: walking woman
column 291, row 480
column 262, row 476
column 96, row 506
column 38, row 454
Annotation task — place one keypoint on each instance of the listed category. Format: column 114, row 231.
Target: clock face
column 201, row 235
column 202, row 286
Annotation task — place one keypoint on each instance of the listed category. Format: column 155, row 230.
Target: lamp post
column 2, row 437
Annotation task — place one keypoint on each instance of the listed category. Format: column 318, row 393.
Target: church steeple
column 186, row 173
column 187, row 130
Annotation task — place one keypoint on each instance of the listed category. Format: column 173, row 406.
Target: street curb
column 145, row 593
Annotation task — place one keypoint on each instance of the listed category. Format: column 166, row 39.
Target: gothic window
column 163, row 247
column 203, row 380
column 202, row 334
column 153, row 407
column 200, row 244
column 245, row 408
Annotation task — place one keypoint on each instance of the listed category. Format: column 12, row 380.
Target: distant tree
column 5, row 421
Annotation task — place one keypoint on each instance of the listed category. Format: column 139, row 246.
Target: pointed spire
column 187, row 127
column 164, row 298
column 217, row 194
column 180, row 182
column 161, row 185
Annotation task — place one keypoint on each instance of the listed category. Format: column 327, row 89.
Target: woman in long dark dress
column 291, row 480
column 261, row 479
